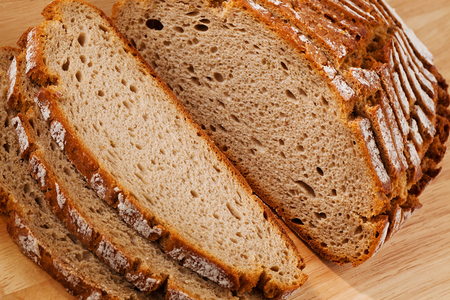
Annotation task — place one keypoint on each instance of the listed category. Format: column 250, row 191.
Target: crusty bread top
column 134, row 171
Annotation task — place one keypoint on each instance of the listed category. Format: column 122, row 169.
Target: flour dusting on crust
column 202, row 266
column 12, row 75
column 60, row 198
column 22, row 136
column 111, row 254
column 145, row 284
column 73, row 280
column 38, row 169
column 94, row 296
column 81, row 224
column 134, row 217
column 58, row 133
column 98, row 185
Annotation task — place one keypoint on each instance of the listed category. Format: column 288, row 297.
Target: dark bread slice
column 270, row 110
column 39, row 233
column 96, row 224
column 131, row 170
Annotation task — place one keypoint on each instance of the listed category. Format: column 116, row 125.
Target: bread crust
column 44, row 258
column 89, row 166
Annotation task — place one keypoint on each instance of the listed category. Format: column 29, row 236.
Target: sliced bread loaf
column 141, row 152
column 39, row 234
column 332, row 110
column 91, row 220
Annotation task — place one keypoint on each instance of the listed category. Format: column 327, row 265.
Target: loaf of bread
column 90, row 219
column 332, row 110
column 141, row 152
column 39, row 234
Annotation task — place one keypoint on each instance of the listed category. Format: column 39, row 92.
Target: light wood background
column 415, row 264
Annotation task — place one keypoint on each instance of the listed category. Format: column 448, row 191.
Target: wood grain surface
column 415, row 264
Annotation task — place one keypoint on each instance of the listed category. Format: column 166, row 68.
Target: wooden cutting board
column 415, row 264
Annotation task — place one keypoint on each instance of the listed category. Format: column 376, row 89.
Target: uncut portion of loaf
column 97, row 225
column 332, row 110
column 38, row 232
column 140, row 150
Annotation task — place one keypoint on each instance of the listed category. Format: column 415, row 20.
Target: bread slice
column 141, row 152
column 38, row 232
column 92, row 221
column 310, row 102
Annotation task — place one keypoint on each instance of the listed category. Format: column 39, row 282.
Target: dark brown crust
column 88, row 165
column 47, row 260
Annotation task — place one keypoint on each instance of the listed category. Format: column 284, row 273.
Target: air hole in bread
column 66, row 65
column 195, row 41
column 275, row 268
column 284, row 66
column 235, row 118
column 26, row 188
column 306, row 188
column 193, row 13
column 324, row 245
column 140, row 177
column 67, row 171
column 133, row 88
column 256, row 142
column 333, row 192
column 73, row 238
column 154, row 24
column 320, row 216
column 178, row 29
column 300, row 148
column 205, row 21
column 103, row 28
column 290, row 95
column 234, row 211
column 319, row 170
column 101, row 93
column 283, row 155
column 166, row 43
column 234, row 240
column 83, row 59
column 133, row 43
column 127, row 104
column 195, row 80
column 79, row 76
column 213, row 49
column 297, row 221
column 194, row 194
column 212, row 128
column 201, row 27
column 191, row 69
column 6, row 146
column 82, row 39
column 218, row 77
column 358, row 230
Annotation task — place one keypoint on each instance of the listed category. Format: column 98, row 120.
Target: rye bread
column 332, row 110
column 211, row 222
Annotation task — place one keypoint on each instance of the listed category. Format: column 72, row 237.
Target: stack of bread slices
column 87, row 110
column 332, row 111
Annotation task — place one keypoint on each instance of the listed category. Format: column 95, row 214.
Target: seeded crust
column 34, row 228
column 107, row 188
column 385, row 81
